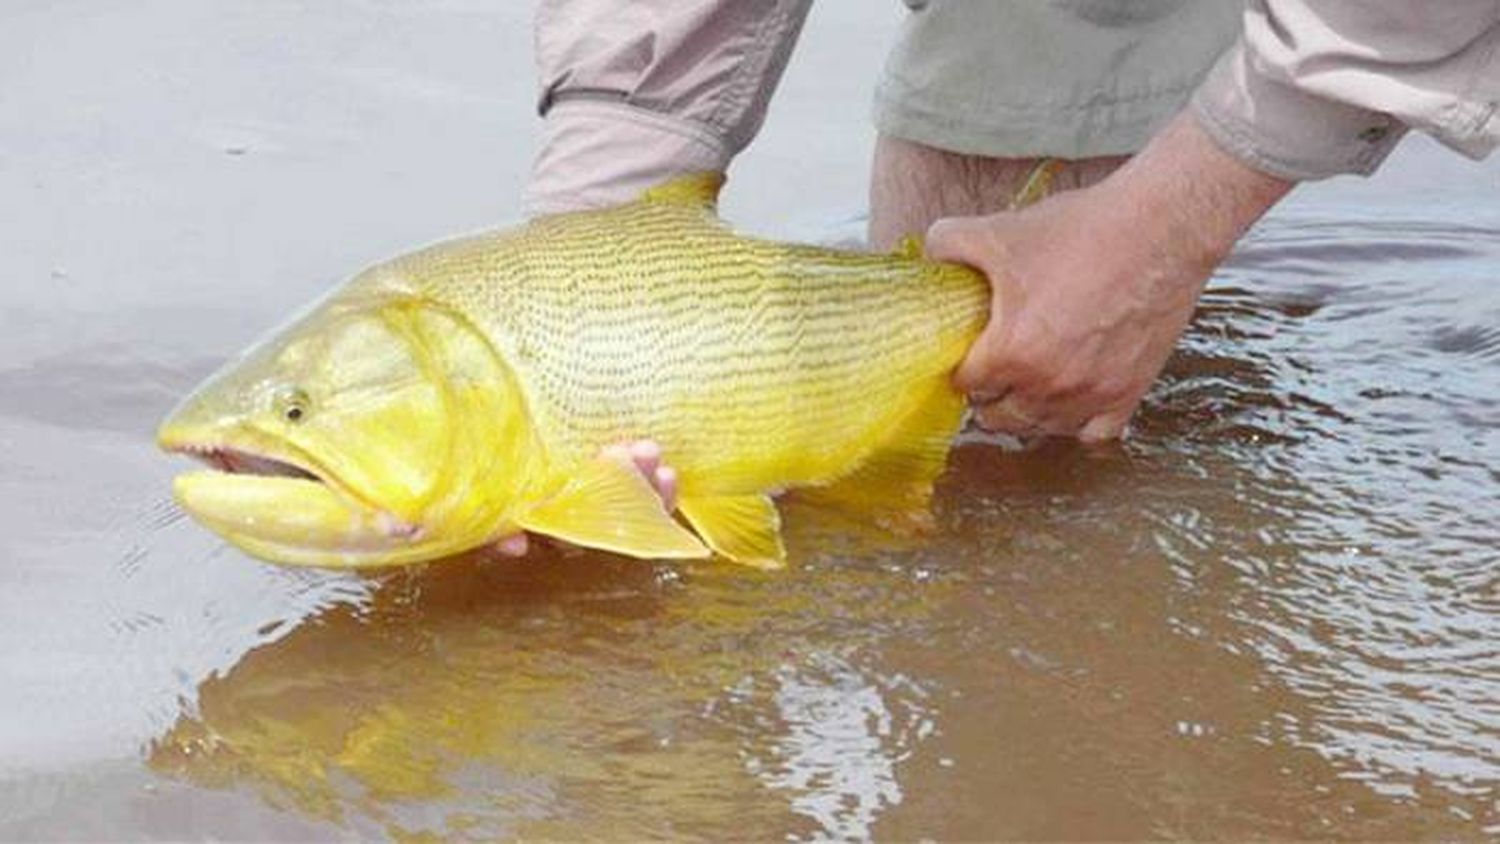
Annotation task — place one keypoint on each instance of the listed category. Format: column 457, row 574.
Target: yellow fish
column 463, row 392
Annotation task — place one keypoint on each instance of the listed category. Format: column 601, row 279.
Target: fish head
column 374, row 430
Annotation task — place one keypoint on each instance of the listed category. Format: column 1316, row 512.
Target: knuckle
column 1068, row 385
column 948, row 240
column 1055, row 386
column 1113, row 389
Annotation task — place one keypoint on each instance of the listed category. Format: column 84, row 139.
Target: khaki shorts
column 1065, row 78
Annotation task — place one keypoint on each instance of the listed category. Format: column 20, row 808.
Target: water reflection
column 569, row 693
column 837, row 753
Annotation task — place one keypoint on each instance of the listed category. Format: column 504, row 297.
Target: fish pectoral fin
column 894, row 484
column 744, row 528
column 695, row 189
column 609, row 506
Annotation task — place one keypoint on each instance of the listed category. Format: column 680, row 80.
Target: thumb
column 964, row 240
column 974, row 241
column 980, row 375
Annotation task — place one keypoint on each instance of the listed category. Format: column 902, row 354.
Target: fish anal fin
column 696, row 189
column 743, row 528
column 893, row 486
column 609, row 506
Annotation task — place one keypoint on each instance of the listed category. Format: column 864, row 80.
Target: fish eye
column 292, row 405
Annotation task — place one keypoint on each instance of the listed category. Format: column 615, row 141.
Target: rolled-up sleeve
column 1315, row 88
column 633, row 93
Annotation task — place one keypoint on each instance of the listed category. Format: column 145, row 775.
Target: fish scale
column 657, row 321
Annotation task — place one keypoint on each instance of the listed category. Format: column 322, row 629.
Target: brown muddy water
column 1273, row 613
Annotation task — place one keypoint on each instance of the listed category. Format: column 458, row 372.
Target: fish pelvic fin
column 609, row 506
column 893, row 486
column 743, row 528
column 699, row 190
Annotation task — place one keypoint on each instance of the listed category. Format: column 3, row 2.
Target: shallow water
column 1272, row 613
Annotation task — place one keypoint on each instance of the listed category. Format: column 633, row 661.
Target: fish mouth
column 250, row 455
column 237, row 461
column 278, row 504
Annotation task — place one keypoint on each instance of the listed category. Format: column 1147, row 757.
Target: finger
column 1105, row 427
column 1009, row 416
column 978, row 242
column 665, row 481
column 977, row 375
column 959, row 239
column 514, row 545
column 647, row 457
column 983, row 397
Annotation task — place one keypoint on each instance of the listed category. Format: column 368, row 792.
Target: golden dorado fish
column 463, row 392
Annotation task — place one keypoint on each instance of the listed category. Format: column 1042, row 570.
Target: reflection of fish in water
column 347, row 714
column 463, row 392
column 443, row 705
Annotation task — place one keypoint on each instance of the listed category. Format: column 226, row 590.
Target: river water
column 1274, row 612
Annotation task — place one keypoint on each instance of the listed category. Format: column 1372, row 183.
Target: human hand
column 646, row 455
column 1092, row 288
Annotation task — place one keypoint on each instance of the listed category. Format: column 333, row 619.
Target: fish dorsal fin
column 910, row 248
column 1038, row 183
column 744, row 528
column 700, row 190
column 608, row 505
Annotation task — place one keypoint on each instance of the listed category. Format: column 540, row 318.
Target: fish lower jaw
column 280, row 511
column 296, row 521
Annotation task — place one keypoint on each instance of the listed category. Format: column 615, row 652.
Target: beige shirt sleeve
column 635, row 92
column 1315, row 88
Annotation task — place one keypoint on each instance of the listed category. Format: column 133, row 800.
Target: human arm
column 1093, row 288
column 634, row 93
column 1315, row 88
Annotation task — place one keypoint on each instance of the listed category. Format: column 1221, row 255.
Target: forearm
column 633, row 93
column 1183, row 202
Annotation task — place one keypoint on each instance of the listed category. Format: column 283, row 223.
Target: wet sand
column 1273, row 613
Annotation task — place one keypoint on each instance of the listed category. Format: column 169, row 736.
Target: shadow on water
column 1271, row 614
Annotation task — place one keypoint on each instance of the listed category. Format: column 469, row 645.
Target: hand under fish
column 645, row 456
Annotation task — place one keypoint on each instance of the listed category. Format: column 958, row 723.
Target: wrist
column 1186, row 199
